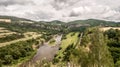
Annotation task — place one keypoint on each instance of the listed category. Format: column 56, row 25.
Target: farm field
column 28, row 35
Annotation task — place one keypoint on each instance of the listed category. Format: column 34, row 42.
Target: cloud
column 13, row 2
column 65, row 10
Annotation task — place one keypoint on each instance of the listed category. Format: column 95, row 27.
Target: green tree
column 8, row 59
column 117, row 64
column 0, row 63
column 99, row 53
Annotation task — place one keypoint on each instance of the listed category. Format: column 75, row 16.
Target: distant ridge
column 76, row 23
column 14, row 19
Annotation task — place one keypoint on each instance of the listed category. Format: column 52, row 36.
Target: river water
column 46, row 52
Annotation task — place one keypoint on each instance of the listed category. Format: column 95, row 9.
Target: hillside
column 94, row 22
column 89, row 22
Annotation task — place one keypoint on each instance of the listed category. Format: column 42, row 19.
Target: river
column 46, row 52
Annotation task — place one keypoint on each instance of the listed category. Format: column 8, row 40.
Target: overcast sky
column 65, row 10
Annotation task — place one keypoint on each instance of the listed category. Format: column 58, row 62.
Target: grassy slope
column 52, row 42
column 68, row 41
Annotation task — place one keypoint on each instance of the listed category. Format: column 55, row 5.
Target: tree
column 0, row 63
column 8, row 59
column 99, row 53
column 114, row 44
column 117, row 64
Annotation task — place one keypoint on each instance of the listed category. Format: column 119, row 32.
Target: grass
column 70, row 39
column 52, row 42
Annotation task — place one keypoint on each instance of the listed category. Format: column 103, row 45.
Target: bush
column 8, row 59
column 117, row 64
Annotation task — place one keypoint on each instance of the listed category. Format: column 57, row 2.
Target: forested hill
column 15, row 19
column 91, row 22
column 77, row 25
column 95, row 22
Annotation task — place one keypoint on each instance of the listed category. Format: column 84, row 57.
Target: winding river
column 46, row 52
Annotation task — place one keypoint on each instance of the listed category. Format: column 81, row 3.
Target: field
column 107, row 28
column 6, row 33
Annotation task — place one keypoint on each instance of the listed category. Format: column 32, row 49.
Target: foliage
column 70, row 40
column 94, row 52
column 11, row 37
column 11, row 53
column 117, row 64
column 114, row 44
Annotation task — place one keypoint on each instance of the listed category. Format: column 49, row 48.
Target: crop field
column 4, row 32
column 27, row 36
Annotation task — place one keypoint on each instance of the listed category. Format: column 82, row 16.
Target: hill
column 15, row 19
column 77, row 25
column 94, row 22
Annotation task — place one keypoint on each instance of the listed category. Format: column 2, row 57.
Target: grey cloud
column 39, row 15
column 73, row 14
column 13, row 2
column 65, row 10
column 61, row 4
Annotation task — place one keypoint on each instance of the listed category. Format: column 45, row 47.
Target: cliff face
column 5, row 20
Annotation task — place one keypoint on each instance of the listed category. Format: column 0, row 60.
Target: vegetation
column 114, row 45
column 47, row 37
column 11, row 37
column 52, row 42
column 91, row 52
column 94, row 22
column 11, row 53
column 90, row 48
column 71, row 39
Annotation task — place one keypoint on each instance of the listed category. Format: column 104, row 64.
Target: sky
column 64, row 10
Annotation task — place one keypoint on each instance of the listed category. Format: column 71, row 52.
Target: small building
column 5, row 20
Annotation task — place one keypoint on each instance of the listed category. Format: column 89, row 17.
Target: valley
column 27, row 43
